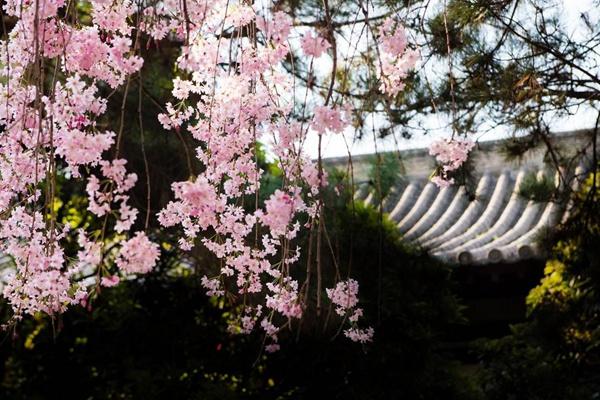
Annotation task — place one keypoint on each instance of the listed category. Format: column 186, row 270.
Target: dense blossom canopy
column 231, row 93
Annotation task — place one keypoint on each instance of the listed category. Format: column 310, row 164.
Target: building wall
column 487, row 157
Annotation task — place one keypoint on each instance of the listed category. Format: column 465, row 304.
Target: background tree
column 554, row 355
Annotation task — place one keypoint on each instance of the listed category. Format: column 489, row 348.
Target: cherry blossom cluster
column 138, row 255
column 41, row 280
column 396, row 58
column 243, row 100
column 345, row 297
column 328, row 119
column 450, row 154
column 314, row 45
column 50, row 71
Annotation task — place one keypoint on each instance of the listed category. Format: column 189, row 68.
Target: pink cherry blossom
column 360, row 335
column 280, row 208
column 212, row 286
column 344, row 295
column 314, row 46
column 450, row 154
column 442, row 182
column 109, row 281
column 272, row 348
column 285, row 298
column 328, row 119
column 396, row 60
column 138, row 255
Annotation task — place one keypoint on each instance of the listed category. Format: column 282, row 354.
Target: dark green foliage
column 384, row 172
column 161, row 338
column 535, row 189
column 153, row 339
column 516, row 148
column 460, row 22
column 521, row 367
column 407, row 297
column 556, row 353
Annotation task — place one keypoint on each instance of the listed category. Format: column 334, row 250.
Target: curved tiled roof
column 494, row 225
column 498, row 225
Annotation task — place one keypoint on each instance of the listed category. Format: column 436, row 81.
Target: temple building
column 490, row 230
column 491, row 222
